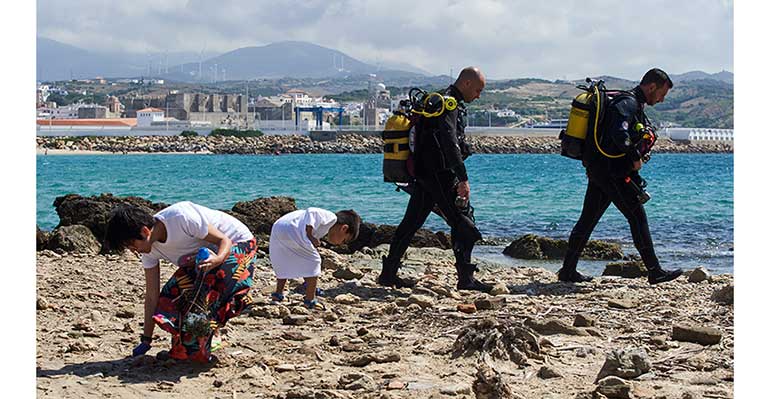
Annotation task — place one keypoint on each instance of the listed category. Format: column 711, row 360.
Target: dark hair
column 125, row 224
column 658, row 77
column 350, row 218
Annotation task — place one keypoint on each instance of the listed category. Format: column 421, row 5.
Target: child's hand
column 212, row 262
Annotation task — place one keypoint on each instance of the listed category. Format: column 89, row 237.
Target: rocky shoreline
column 533, row 337
column 344, row 144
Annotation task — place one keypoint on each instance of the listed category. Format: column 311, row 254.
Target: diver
column 612, row 165
column 441, row 181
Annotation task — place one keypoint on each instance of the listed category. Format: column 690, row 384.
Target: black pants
column 603, row 190
column 437, row 190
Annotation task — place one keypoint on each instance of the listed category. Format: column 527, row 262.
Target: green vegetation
column 235, row 133
column 188, row 133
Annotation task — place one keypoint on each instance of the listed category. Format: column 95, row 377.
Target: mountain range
column 60, row 61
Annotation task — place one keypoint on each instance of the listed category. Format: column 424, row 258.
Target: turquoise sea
column 690, row 213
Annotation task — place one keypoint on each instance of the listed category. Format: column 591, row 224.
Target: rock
column 356, row 381
column 724, row 295
column 584, row 320
column 125, row 314
column 334, row 341
column 699, row 274
column 330, row 260
column 509, row 341
column 93, row 212
column 346, row 299
column 457, row 389
column 547, row 372
column 489, row 303
column 499, row 289
column 413, row 307
column 423, row 238
column 554, row 326
column 295, row 320
column 696, row 334
column 294, row 336
column 622, row 303
column 615, row 387
column 395, row 384
column 423, row 301
column 42, row 239
column 75, row 238
column 269, row 312
column 466, row 308
column 626, row 363
column 634, row 269
column 362, row 331
column 531, row 246
column 42, row 303
column 348, row 273
column 260, row 214
column 81, row 345
column 489, row 384
column 282, row 368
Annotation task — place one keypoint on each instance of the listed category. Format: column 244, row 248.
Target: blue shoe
column 313, row 304
column 276, row 297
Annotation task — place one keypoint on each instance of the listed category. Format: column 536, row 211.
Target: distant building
column 145, row 117
column 698, row 134
column 92, row 112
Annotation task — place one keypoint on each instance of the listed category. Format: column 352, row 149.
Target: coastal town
column 155, row 107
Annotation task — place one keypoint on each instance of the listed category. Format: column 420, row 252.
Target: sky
column 507, row 39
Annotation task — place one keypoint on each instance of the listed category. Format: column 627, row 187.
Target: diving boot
column 572, row 276
column 466, row 281
column 658, row 275
column 389, row 275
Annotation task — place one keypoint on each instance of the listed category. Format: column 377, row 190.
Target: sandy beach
column 535, row 338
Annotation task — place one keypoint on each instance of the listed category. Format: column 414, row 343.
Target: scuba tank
column 585, row 117
column 397, row 160
column 573, row 138
column 400, row 132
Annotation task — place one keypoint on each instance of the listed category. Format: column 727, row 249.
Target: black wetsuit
column 607, row 180
column 440, row 152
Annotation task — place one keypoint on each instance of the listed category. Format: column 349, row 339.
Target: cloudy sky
column 507, row 39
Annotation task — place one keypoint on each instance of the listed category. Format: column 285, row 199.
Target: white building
column 145, row 117
column 698, row 134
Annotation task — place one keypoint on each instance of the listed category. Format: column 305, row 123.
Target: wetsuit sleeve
column 450, row 146
column 621, row 117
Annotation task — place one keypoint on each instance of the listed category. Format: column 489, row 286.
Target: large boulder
column 260, row 214
column 42, row 239
column 423, row 238
column 532, row 246
column 372, row 235
column 93, row 212
column 625, row 363
column 75, row 238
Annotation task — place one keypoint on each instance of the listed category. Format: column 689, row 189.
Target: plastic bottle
column 203, row 254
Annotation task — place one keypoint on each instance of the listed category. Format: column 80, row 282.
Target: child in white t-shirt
column 293, row 242
column 213, row 288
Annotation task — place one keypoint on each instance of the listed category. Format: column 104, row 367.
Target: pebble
column 499, row 289
column 699, row 274
column 423, row 301
column 295, row 320
column 697, row 334
column 490, row 303
column 466, row 308
column 346, row 299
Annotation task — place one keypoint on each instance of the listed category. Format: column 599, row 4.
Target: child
column 203, row 293
column 293, row 242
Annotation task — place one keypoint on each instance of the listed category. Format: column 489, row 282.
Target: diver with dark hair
column 612, row 165
column 441, row 181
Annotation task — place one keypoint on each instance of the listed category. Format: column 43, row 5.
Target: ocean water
column 690, row 213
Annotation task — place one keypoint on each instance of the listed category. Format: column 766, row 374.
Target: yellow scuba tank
column 573, row 138
column 397, row 153
column 584, row 115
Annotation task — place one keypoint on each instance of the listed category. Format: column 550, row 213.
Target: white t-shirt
column 186, row 227
column 291, row 252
